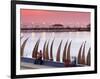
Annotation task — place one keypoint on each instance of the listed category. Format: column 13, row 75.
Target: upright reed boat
column 51, row 51
column 46, row 52
column 68, row 53
column 79, row 54
column 58, row 52
column 83, row 55
column 35, row 50
column 64, row 52
column 23, row 47
column 88, row 58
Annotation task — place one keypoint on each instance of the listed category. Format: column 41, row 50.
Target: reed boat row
column 82, row 59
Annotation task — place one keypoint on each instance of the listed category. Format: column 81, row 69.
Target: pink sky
column 51, row 17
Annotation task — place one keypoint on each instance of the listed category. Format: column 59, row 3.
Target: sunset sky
column 48, row 17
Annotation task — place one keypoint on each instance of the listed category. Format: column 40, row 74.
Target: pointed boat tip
column 39, row 38
column 70, row 41
column 52, row 41
column 45, row 42
column 89, row 48
column 84, row 42
column 54, row 38
column 21, row 37
column 67, row 42
column 61, row 41
column 48, row 40
column 27, row 38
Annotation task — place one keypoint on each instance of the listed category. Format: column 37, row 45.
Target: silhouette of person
column 39, row 58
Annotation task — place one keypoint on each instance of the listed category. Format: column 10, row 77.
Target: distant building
column 57, row 26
